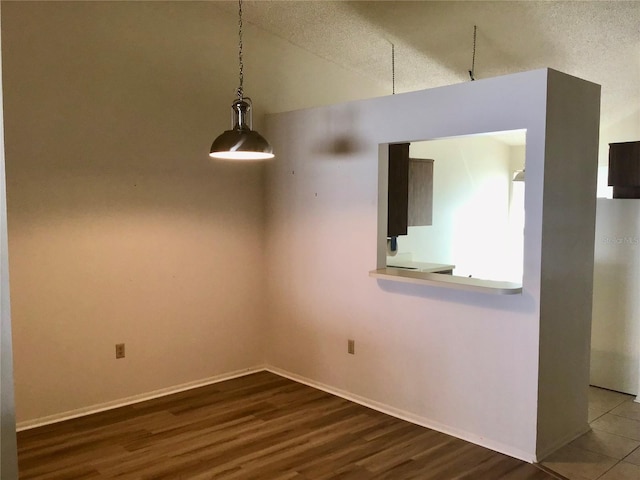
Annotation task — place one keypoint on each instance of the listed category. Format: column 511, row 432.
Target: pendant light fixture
column 241, row 142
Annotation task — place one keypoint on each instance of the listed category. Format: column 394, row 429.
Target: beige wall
column 120, row 227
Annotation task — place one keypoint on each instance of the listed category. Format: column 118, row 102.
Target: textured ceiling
column 595, row 40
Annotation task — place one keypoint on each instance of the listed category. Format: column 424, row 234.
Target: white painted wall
column 474, row 365
column 567, row 255
column 604, row 190
column 470, row 228
column 121, row 229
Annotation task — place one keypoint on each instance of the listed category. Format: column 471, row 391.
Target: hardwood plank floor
column 261, row 426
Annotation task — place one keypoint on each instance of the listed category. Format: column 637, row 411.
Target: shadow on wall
column 341, row 136
column 525, row 303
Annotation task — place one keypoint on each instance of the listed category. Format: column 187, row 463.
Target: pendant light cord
column 393, row 69
column 240, row 64
column 472, row 72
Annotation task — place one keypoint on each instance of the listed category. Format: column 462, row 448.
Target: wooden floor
column 261, row 426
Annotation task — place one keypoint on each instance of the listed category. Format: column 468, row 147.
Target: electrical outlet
column 119, row 350
column 351, row 347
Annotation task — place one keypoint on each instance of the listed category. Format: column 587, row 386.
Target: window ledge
column 447, row 281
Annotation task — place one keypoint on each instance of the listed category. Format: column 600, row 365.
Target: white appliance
column 615, row 334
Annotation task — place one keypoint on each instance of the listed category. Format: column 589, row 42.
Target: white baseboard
column 80, row 412
column 381, row 407
column 411, row 417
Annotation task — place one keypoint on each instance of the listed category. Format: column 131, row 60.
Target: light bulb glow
column 238, row 155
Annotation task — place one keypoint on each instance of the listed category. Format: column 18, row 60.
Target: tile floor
column 611, row 450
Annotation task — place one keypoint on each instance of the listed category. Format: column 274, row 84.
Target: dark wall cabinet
column 398, row 199
column 410, row 192
column 624, row 169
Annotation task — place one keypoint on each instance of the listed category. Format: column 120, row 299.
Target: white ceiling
column 595, row 40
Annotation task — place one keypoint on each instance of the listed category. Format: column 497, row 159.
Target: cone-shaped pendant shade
column 241, row 143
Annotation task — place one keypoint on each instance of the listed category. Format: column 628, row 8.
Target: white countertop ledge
column 447, row 281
